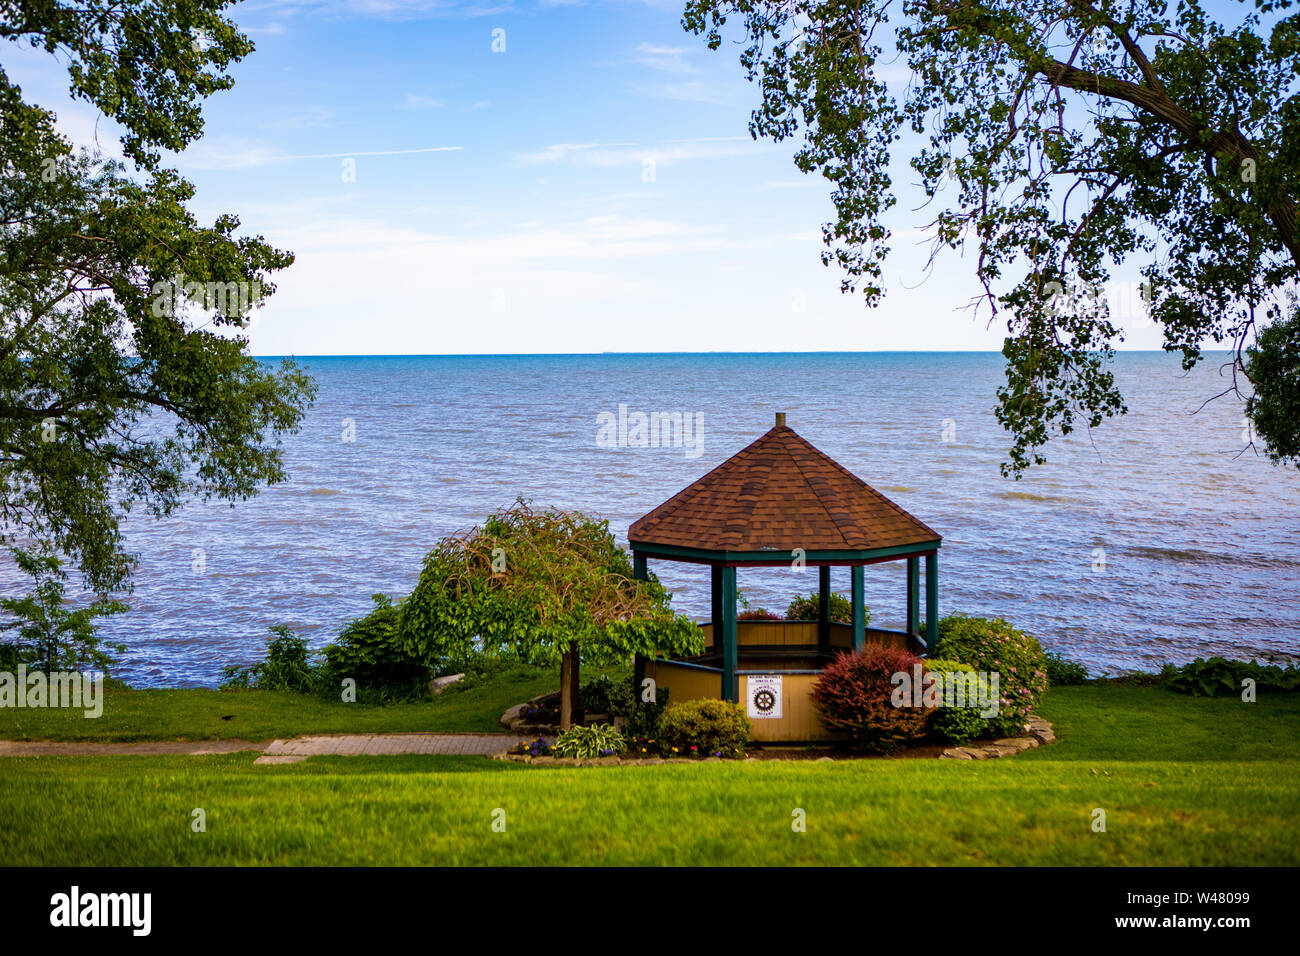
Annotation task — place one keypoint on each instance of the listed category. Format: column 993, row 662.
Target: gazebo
column 781, row 502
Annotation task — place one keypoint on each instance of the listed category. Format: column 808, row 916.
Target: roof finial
column 780, row 419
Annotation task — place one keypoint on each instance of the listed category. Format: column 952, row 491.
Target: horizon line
column 650, row 353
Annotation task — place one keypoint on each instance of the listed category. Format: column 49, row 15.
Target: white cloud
column 414, row 102
column 89, row 129
column 310, row 118
column 595, row 238
column 362, row 285
column 694, row 91
column 408, row 9
column 627, row 154
column 568, row 152
column 666, row 59
column 238, row 153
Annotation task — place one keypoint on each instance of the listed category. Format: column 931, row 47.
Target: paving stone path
column 148, row 748
column 300, row 748
column 277, row 751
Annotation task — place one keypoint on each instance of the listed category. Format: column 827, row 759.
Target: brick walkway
column 147, row 748
column 300, row 748
column 276, row 751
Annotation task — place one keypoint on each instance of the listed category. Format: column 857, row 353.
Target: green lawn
column 1182, row 780
column 199, row 714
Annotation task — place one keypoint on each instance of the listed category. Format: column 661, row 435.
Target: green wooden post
column 859, row 618
column 730, row 656
column 638, row 661
column 914, row 596
column 931, row 601
column 715, row 597
column 824, row 609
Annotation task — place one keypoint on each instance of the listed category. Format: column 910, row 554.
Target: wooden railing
column 786, row 648
column 803, row 634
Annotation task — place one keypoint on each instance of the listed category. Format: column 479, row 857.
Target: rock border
column 1040, row 735
column 602, row 761
column 513, row 720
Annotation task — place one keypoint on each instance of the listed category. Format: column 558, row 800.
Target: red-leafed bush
column 757, row 614
column 855, row 696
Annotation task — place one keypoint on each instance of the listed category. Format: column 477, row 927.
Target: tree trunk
column 568, row 686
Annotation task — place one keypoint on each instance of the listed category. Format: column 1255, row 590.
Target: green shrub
column 1062, row 672
column 806, row 608
column 602, row 740
column 605, row 695
column 704, row 728
column 993, row 645
column 757, row 614
column 643, row 720
column 854, row 696
column 1219, row 677
column 48, row 633
column 371, row 651
column 287, row 666
column 956, row 725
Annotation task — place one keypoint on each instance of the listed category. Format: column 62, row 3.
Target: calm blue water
column 1201, row 547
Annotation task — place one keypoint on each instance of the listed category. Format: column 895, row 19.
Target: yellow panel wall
column 798, row 721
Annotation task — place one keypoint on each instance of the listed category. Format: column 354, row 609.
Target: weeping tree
column 1059, row 141
column 547, row 587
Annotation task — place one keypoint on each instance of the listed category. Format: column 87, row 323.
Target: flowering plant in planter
column 538, row 747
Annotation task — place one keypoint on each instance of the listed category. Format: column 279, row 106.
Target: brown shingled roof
column 780, row 493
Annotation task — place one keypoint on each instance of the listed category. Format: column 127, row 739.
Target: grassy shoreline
column 254, row 715
column 1183, row 781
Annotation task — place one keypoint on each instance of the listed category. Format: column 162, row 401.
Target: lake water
column 1151, row 540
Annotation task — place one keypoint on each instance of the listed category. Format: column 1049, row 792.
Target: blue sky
column 591, row 188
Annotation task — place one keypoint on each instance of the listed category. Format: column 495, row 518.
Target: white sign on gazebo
column 765, row 696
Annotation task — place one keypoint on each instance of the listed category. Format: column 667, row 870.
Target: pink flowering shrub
column 994, row 646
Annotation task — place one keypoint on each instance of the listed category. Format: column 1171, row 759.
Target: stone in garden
column 439, row 684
